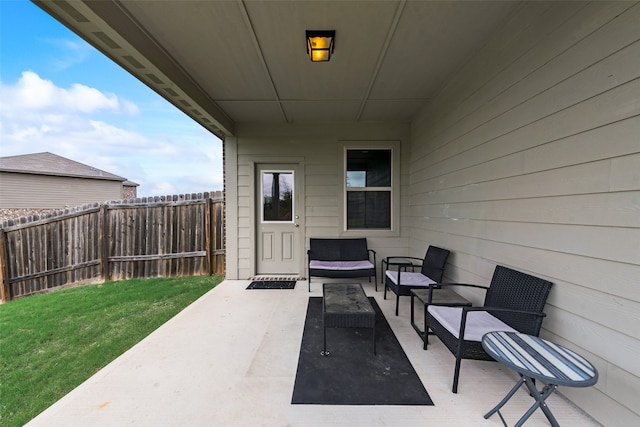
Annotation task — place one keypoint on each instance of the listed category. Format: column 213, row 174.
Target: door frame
column 298, row 162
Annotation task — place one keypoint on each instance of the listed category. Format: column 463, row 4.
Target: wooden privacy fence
column 168, row 236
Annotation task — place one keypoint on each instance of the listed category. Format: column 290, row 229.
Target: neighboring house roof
column 51, row 164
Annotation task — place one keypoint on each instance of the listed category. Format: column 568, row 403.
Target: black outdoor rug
column 272, row 284
column 352, row 374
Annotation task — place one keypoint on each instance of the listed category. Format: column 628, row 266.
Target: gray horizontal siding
column 530, row 158
column 19, row 190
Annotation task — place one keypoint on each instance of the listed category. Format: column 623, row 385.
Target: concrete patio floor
column 230, row 359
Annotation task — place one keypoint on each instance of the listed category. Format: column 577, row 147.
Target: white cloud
column 65, row 52
column 32, row 94
column 129, row 107
column 163, row 188
column 84, row 124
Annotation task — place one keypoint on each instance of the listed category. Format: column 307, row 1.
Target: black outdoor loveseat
column 341, row 258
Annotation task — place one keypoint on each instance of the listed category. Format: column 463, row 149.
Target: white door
column 278, row 219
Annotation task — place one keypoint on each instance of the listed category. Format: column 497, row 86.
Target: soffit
column 233, row 62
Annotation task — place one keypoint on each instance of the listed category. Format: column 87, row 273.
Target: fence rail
column 167, row 236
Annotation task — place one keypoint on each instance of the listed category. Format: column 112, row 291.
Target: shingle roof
column 51, row 164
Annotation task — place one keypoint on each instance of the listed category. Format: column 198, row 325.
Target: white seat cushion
column 340, row 265
column 478, row 322
column 409, row 278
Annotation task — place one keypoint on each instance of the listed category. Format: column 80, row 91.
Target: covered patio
column 506, row 132
column 230, row 359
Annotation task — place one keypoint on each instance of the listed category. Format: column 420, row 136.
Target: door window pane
column 277, row 196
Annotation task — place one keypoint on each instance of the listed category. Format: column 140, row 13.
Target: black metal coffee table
column 345, row 305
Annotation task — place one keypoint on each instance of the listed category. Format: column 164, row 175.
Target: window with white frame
column 368, row 188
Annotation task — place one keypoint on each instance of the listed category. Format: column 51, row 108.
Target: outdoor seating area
column 505, row 132
column 230, row 359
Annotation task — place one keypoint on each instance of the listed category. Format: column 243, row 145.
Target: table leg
column 420, row 333
column 425, row 338
column 541, row 397
column 505, row 399
column 324, row 339
column 415, row 327
column 374, row 340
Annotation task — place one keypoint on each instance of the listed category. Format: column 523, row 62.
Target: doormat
column 352, row 374
column 272, row 284
column 276, row 277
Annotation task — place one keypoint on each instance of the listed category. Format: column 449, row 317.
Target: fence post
column 207, row 233
column 5, row 292
column 103, row 242
column 217, row 237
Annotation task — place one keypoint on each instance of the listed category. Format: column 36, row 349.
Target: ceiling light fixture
column 320, row 45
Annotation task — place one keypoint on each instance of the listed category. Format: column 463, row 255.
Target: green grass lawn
column 51, row 343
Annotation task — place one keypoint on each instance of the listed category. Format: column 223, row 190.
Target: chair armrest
column 504, row 310
column 390, row 260
column 443, row 285
column 401, row 262
column 467, row 285
column 466, row 310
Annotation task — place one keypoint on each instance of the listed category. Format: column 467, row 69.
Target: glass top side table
column 537, row 359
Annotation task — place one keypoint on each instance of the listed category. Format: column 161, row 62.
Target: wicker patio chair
column 400, row 280
column 513, row 302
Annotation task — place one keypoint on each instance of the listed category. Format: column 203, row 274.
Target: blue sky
column 59, row 94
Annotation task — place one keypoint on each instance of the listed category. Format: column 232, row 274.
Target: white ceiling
column 231, row 62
